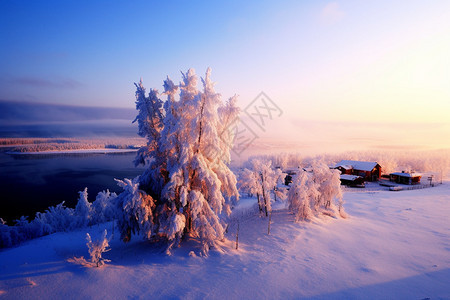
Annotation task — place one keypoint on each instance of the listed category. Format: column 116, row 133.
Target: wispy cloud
column 33, row 113
column 22, row 119
column 331, row 14
column 65, row 83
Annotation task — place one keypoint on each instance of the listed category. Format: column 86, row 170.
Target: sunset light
column 224, row 149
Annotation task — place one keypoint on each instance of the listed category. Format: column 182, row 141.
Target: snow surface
column 395, row 245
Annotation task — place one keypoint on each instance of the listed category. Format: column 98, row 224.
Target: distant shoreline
column 75, row 151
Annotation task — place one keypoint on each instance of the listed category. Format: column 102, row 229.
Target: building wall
column 373, row 175
column 405, row 179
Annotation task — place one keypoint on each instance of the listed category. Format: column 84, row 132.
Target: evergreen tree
column 83, row 209
column 189, row 185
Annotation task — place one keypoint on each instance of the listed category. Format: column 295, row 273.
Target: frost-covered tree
column 302, row 195
column 135, row 208
column 103, row 208
column 261, row 180
column 279, row 180
column 83, row 209
column 149, row 120
column 316, row 192
column 328, row 185
column 187, row 155
column 248, row 182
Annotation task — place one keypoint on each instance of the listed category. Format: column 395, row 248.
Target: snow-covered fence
column 388, row 188
column 245, row 213
column 364, row 190
column 419, row 186
column 240, row 216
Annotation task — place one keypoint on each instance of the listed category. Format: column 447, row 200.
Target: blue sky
column 90, row 52
column 320, row 61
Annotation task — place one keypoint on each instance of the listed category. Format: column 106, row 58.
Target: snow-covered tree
column 260, row 179
column 279, row 180
column 316, row 192
column 248, row 182
column 135, row 208
column 83, row 209
column 328, row 185
column 301, row 193
column 149, row 120
column 103, row 208
column 187, row 154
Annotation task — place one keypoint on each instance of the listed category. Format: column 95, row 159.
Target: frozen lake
column 31, row 183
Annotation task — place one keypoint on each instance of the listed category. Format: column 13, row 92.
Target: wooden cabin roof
column 357, row 165
column 405, row 174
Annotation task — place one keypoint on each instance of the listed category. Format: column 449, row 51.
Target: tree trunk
column 264, row 194
column 265, row 203
column 237, row 236
column 200, row 125
column 259, row 203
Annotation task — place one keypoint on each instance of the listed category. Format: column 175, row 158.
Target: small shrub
column 96, row 248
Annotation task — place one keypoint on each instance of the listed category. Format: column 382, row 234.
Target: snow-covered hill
column 395, row 245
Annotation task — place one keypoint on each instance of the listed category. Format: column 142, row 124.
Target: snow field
column 395, row 245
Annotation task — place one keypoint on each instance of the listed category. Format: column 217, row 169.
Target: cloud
column 22, row 119
column 13, row 112
column 331, row 14
column 65, row 83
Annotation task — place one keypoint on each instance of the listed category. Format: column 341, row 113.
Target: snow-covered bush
column 187, row 183
column 54, row 219
column 97, row 248
column 6, row 240
column 60, row 218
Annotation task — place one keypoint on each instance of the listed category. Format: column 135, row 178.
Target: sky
column 364, row 72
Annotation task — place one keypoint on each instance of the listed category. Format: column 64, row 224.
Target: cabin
column 369, row 171
column 289, row 176
column 405, row 177
column 352, row 180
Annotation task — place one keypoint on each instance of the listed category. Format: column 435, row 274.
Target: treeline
column 27, row 141
column 47, row 144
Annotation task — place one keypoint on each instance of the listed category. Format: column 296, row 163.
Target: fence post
column 237, row 235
